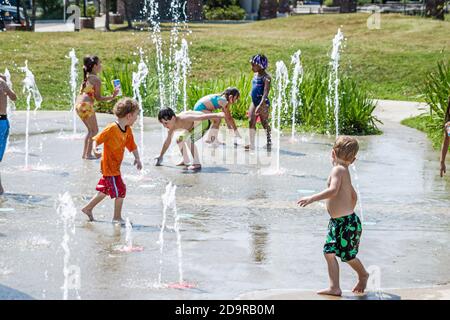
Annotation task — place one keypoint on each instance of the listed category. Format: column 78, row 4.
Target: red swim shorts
column 112, row 186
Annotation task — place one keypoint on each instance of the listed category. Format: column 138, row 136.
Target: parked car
column 8, row 14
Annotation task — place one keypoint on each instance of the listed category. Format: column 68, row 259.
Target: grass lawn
column 391, row 61
column 425, row 124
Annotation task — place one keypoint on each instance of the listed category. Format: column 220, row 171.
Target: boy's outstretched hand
column 138, row 164
column 303, row 202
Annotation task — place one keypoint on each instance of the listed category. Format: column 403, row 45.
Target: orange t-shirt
column 115, row 140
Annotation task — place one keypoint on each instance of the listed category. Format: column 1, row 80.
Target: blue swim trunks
column 4, row 133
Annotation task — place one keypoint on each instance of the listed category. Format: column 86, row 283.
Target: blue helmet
column 260, row 60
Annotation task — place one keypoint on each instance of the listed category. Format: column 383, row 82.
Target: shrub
column 356, row 108
column 437, row 90
column 223, row 10
column 355, row 115
column 91, row 11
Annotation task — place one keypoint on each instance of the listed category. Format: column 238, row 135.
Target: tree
column 33, row 15
column 268, row 9
column 435, row 9
column 50, row 6
column 284, row 6
column 107, row 7
column 126, row 4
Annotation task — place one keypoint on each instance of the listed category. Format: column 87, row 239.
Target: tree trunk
column 268, row 9
column 33, row 15
column 127, row 13
column 194, row 10
column 348, row 6
column 435, row 9
column 18, row 11
column 284, row 6
column 25, row 13
column 107, row 6
column 85, row 4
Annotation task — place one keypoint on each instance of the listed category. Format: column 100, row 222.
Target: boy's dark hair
column 165, row 114
column 125, row 106
column 231, row 91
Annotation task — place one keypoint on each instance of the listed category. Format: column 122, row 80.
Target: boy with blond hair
column 344, row 228
column 116, row 137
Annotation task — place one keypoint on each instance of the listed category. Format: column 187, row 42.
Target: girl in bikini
column 223, row 102
column 89, row 92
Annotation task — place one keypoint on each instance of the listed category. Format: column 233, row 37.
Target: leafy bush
column 123, row 72
column 437, row 90
column 363, row 2
column 328, row 3
column 91, row 11
column 355, row 116
column 356, row 108
column 223, row 10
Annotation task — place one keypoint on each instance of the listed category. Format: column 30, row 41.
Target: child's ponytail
column 231, row 91
column 88, row 64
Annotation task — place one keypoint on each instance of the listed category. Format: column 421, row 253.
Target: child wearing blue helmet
column 260, row 99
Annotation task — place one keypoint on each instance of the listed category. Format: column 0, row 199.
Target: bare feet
column 194, row 167
column 88, row 212
column 361, row 285
column 181, row 164
column 249, row 147
column 331, row 292
column 121, row 222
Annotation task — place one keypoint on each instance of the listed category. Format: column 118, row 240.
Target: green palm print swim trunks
column 197, row 132
column 343, row 237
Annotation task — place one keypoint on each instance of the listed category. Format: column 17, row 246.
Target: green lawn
column 391, row 61
column 429, row 126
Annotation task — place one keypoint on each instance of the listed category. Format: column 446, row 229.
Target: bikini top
column 89, row 90
column 214, row 99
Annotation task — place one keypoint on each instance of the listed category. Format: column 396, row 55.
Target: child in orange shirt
column 116, row 137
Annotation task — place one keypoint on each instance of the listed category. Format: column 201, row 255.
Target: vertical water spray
column 153, row 19
column 73, row 86
column 297, row 79
column 67, row 212
column 11, row 106
column 30, row 87
column 177, row 231
column 175, row 14
column 128, row 236
column 361, row 213
column 181, row 70
column 280, row 103
column 169, row 201
column 166, row 203
column 332, row 99
column 138, row 79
